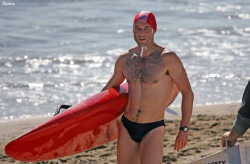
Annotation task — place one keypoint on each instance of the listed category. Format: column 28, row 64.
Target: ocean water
column 61, row 52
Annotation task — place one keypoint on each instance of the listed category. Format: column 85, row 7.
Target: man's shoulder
column 127, row 53
column 170, row 56
column 168, row 52
column 164, row 51
column 132, row 50
column 124, row 56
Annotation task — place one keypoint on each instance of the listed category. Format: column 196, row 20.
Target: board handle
column 61, row 107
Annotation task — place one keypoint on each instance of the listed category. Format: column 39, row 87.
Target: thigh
column 151, row 148
column 127, row 149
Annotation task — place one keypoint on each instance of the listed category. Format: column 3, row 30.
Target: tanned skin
column 151, row 79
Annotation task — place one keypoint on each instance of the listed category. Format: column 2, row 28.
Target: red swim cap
column 148, row 17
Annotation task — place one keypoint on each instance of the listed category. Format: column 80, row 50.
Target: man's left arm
column 179, row 76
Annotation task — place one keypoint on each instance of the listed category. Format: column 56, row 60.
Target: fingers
column 180, row 145
column 223, row 143
column 224, row 138
column 181, row 141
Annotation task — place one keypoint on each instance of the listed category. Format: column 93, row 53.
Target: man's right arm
column 118, row 77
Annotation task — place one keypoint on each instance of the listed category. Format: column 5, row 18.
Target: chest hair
column 144, row 70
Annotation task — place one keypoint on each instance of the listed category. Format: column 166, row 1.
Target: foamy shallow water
column 55, row 53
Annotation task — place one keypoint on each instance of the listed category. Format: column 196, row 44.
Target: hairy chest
column 144, row 70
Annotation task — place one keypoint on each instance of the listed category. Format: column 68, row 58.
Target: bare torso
column 150, row 85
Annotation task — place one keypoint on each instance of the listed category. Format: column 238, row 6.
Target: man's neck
column 145, row 51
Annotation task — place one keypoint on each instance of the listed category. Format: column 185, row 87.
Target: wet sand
column 206, row 128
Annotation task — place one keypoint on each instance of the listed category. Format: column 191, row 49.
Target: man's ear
column 153, row 31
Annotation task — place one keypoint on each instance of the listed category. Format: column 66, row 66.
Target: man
column 242, row 121
column 152, row 72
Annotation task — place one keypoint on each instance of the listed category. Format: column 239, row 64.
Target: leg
column 151, row 148
column 127, row 149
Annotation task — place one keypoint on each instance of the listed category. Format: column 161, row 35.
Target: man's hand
column 181, row 140
column 229, row 136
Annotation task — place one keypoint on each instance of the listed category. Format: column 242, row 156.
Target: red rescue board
column 86, row 125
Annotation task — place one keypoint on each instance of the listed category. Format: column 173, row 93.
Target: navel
column 138, row 114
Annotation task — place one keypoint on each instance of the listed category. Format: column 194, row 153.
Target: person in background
column 242, row 121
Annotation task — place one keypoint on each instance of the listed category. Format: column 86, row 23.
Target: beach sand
column 207, row 125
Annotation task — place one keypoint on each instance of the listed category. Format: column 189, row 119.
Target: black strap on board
column 61, row 107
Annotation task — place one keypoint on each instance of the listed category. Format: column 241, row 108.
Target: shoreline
column 207, row 125
column 213, row 109
column 197, row 109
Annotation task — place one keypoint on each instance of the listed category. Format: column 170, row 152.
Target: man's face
column 143, row 33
